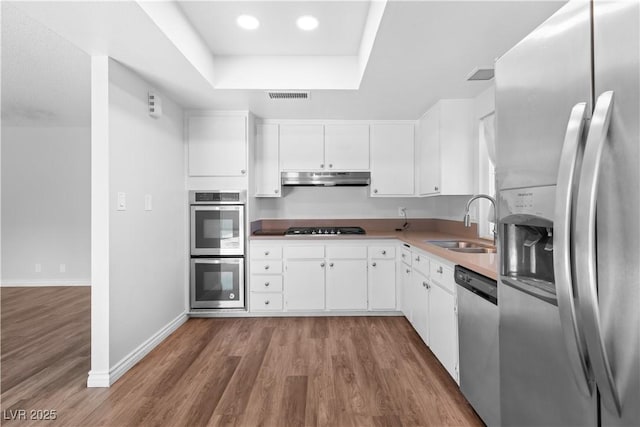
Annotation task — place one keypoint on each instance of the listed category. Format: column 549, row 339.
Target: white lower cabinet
column 313, row 276
column 430, row 305
column 347, row 284
column 443, row 337
column 420, row 305
column 304, row 284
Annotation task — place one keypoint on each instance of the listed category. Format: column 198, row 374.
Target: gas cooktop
column 323, row 231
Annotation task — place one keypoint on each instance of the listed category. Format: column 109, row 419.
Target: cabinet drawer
column 420, row 263
column 442, row 275
column 266, row 267
column 347, row 252
column 266, row 252
column 266, row 302
column 405, row 256
column 264, row 283
column 303, row 252
column 382, row 252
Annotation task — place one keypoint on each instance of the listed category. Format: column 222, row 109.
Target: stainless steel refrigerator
column 567, row 162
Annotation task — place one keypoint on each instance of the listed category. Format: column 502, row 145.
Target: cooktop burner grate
column 323, row 231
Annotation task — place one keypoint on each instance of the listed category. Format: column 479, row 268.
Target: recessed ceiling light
column 307, row 23
column 247, row 22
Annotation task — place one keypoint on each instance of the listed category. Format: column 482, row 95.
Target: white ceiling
column 45, row 79
column 341, row 24
column 422, row 51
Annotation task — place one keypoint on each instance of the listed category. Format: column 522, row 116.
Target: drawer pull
column 439, row 270
column 322, row 264
column 408, row 271
column 374, row 264
column 384, row 252
column 266, row 253
column 424, row 284
column 266, row 284
column 330, row 264
column 266, row 267
column 417, row 258
column 266, row 302
column 404, row 255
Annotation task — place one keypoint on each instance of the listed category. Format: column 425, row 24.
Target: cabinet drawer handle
column 404, row 255
column 330, row 165
column 266, row 302
column 266, row 253
column 435, row 188
column 384, row 252
column 439, row 270
column 417, row 258
column 374, row 264
column 266, row 284
column 408, row 271
column 276, row 191
column 375, row 190
column 266, row 267
column 243, row 171
column 424, row 284
column 322, row 165
column 330, row 264
column 322, row 264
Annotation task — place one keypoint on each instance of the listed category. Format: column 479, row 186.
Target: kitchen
column 130, row 134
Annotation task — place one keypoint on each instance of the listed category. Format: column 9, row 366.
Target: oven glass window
column 217, row 282
column 217, row 229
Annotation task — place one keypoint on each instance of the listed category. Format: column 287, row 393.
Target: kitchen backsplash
column 354, row 202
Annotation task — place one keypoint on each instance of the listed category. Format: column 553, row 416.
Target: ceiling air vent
column 288, row 95
column 477, row 73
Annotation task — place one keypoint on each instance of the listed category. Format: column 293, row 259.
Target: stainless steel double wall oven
column 217, row 249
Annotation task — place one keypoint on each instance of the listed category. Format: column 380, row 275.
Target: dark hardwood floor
column 326, row 371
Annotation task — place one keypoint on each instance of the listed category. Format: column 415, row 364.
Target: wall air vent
column 288, row 94
column 485, row 73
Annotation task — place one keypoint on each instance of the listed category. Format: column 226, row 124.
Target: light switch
column 122, row 202
column 148, row 202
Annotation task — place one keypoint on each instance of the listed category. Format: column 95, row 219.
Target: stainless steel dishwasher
column 478, row 336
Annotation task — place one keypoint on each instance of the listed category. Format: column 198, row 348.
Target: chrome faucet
column 467, row 219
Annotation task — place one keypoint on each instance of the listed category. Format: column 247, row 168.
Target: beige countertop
column 485, row 264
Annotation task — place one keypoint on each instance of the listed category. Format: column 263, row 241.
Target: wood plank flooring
column 326, row 371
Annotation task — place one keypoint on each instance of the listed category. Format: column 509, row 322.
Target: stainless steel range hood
column 326, row 179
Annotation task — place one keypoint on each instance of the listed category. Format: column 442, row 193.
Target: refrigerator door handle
column 573, row 335
column 585, row 252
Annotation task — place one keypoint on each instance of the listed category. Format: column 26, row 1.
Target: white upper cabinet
column 302, row 147
column 392, row 159
column 346, row 147
column 217, row 145
column 340, row 147
column 446, row 143
column 267, row 168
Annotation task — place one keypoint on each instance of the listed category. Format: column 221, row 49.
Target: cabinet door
column 443, row 328
column 304, row 284
column 267, row 168
column 392, row 160
column 407, row 291
column 429, row 140
column 217, row 145
column 382, row 284
column 347, row 284
column 346, row 147
column 301, row 147
column 420, row 303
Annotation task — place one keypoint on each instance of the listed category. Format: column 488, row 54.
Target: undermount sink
column 478, row 250
column 463, row 246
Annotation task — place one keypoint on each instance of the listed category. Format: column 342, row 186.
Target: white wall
column 45, row 205
column 139, row 257
column 147, row 254
column 354, row 202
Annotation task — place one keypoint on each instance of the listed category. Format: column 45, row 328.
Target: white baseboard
column 37, row 284
column 102, row 379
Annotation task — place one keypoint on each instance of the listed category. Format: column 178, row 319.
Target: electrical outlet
column 148, row 202
column 38, row 268
column 63, row 268
column 402, row 211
